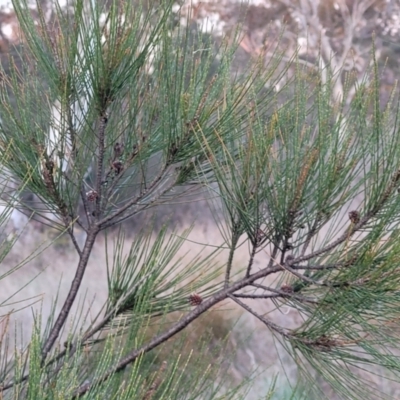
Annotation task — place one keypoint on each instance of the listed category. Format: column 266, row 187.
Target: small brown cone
column 286, row 288
column 195, row 299
column 91, row 195
column 354, row 216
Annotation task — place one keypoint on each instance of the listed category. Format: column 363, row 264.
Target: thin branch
column 271, row 325
column 251, row 261
column 235, row 239
column 73, row 239
column 146, row 206
column 273, row 255
column 106, row 220
column 276, row 294
column 302, row 277
column 346, row 235
column 132, row 214
column 280, row 293
column 318, row 267
column 75, row 285
column 86, row 207
column 259, row 286
column 100, row 165
column 310, row 235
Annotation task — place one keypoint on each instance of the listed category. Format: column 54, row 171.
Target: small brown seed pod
column 118, row 167
column 118, row 149
column 260, row 235
column 50, row 166
column 195, row 299
column 354, row 216
column 91, row 195
column 286, row 288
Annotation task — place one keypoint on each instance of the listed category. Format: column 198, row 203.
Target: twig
column 310, row 235
column 319, row 267
column 276, row 294
column 106, row 220
column 100, row 165
column 273, row 255
column 73, row 239
column 264, row 320
column 257, row 285
column 251, row 261
column 302, row 276
column 86, row 207
column 75, row 285
column 235, row 239
column 142, row 208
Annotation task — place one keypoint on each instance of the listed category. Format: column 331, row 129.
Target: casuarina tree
column 117, row 109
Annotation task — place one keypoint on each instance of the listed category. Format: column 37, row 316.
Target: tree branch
column 73, row 239
column 232, row 250
column 277, row 294
column 271, row 325
column 251, row 261
column 105, row 222
column 177, row 327
column 75, row 285
column 100, row 164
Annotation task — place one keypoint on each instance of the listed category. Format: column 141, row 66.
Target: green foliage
column 117, row 110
